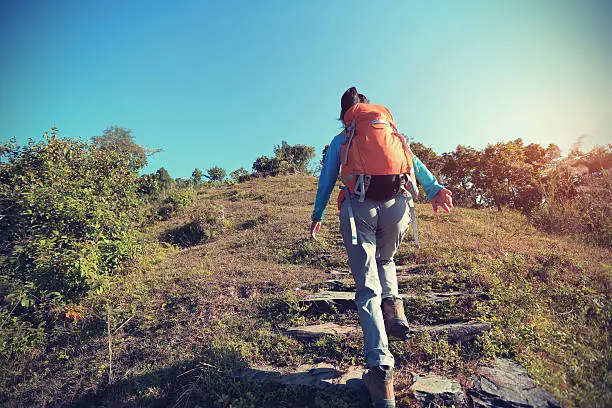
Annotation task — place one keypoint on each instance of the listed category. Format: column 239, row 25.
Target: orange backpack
column 374, row 147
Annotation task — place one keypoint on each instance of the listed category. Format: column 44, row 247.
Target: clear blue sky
column 219, row 83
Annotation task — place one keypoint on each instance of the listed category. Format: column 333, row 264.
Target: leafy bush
column 287, row 159
column 240, row 175
column 577, row 201
column 175, row 203
column 205, row 224
column 68, row 210
column 216, row 173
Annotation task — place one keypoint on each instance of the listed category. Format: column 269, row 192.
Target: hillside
column 188, row 316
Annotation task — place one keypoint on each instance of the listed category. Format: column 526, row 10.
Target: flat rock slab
column 401, row 269
column 320, row 330
column 343, row 273
column 346, row 297
column 433, row 390
column 413, row 277
column 454, row 333
column 336, row 285
column 460, row 332
column 506, row 384
column 340, row 284
column 311, row 375
column 410, row 268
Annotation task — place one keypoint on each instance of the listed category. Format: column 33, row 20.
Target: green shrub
column 68, row 211
column 206, row 223
column 176, row 203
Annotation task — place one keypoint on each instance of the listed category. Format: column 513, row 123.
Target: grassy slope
column 181, row 322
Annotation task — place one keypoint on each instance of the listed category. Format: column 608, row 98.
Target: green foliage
column 304, row 252
column 266, row 166
column 577, row 200
column 163, row 179
column 240, row 175
column 121, row 140
column 427, row 156
column 68, row 211
column 216, row 173
column 18, row 337
column 180, row 199
column 297, row 156
column 196, row 176
column 148, row 185
column 288, row 159
column 206, row 222
column 176, row 203
column 459, row 171
column 556, row 330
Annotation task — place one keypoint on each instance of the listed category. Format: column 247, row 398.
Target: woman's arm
column 327, row 181
column 328, row 177
column 436, row 194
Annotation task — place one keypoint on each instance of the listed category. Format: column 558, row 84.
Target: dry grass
column 181, row 324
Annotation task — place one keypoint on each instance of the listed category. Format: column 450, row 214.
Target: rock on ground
column 507, row 384
column 434, row 390
column 309, row 375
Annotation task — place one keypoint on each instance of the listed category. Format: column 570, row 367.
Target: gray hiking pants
column 380, row 226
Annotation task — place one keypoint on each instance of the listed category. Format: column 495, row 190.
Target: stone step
column 320, row 375
column 341, row 283
column 432, row 390
column 347, row 298
column 506, row 384
column 339, row 274
column 407, row 269
column 414, row 277
column 459, row 332
column 320, row 330
column 410, row 268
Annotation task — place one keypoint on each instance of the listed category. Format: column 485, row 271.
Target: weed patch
column 205, row 223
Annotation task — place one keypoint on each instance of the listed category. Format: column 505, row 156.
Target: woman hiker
column 374, row 216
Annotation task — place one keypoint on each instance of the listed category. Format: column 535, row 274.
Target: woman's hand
column 443, row 199
column 314, row 228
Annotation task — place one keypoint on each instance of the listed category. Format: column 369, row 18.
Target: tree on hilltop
column 121, row 140
column 239, row 175
column 297, row 156
column 216, row 173
column 163, row 178
column 196, row 176
column 287, row 159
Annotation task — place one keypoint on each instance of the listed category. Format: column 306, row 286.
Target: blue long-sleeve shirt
column 331, row 169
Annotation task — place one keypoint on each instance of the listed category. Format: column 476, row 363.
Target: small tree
column 69, row 211
column 216, row 173
column 297, row 156
column 148, row 185
column 459, row 171
column 164, row 179
column 427, row 156
column 239, row 175
column 121, row 140
column 267, row 166
column 196, row 176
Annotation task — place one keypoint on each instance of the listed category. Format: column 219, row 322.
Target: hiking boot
column 396, row 324
column 379, row 383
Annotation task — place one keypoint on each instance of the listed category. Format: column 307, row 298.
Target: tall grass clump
column 577, row 202
column 206, row 222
